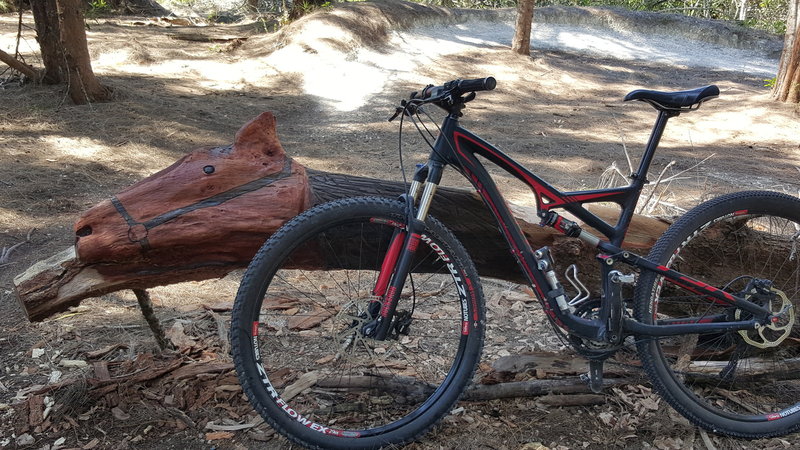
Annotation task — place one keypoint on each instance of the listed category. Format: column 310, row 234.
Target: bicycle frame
column 459, row 148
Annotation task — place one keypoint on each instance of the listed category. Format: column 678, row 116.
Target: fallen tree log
column 207, row 215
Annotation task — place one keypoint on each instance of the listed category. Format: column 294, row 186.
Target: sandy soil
column 560, row 112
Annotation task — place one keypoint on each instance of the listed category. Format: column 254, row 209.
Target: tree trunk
column 48, row 34
column 84, row 87
column 208, row 214
column 522, row 30
column 787, row 83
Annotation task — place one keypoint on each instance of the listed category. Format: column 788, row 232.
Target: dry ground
column 559, row 113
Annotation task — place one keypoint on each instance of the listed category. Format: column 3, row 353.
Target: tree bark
column 787, row 82
column 48, row 34
column 521, row 42
column 84, row 87
column 208, row 214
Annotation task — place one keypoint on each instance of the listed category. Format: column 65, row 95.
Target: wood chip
column 307, row 321
column 237, row 427
column 217, row 435
column 304, row 382
column 101, row 370
column 74, row 363
column 35, row 410
column 325, row 359
column 119, row 414
column 104, row 351
column 278, row 303
column 220, row 307
column 195, row 369
column 179, row 338
column 184, row 422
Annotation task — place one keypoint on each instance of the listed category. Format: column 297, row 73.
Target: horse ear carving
column 259, row 138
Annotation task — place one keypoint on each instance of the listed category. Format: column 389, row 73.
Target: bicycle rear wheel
column 744, row 384
column 297, row 329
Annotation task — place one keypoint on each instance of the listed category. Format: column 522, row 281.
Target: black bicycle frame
column 459, row 148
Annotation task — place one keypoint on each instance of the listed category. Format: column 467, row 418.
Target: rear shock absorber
column 568, row 228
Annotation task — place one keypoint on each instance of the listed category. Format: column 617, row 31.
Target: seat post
column 640, row 176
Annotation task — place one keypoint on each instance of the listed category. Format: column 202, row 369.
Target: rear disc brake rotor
column 775, row 332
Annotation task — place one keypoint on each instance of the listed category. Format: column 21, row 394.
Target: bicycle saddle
column 675, row 101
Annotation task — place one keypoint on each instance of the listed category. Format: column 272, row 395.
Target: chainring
column 590, row 309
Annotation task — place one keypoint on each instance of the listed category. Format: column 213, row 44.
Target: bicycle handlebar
column 458, row 87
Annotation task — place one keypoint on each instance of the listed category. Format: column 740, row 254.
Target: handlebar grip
column 478, row 84
column 431, row 91
column 458, row 87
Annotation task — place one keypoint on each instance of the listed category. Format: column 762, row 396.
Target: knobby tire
column 297, row 346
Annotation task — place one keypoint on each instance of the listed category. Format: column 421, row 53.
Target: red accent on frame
column 541, row 190
column 686, row 322
column 554, row 198
column 707, row 288
column 391, row 298
column 413, row 242
column 389, row 263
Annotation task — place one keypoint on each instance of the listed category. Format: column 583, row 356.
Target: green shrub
column 6, row 7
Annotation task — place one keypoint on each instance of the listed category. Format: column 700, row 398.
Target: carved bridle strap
column 138, row 231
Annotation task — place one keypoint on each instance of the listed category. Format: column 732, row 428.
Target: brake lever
column 397, row 112
column 409, row 108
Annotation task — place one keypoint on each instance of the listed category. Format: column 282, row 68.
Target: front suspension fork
column 400, row 255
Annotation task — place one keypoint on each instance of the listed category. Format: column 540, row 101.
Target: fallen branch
column 20, row 66
column 535, row 388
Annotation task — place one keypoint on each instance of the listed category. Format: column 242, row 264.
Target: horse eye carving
column 208, row 170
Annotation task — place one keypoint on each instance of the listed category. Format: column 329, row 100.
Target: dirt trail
column 559, row 112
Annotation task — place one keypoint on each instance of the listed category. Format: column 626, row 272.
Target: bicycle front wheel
column 740, row 383
column 298, row 340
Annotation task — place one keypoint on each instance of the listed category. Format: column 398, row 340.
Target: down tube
column 476, row 173
column 519, row 246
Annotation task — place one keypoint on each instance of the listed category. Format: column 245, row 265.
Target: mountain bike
column 361, row 321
